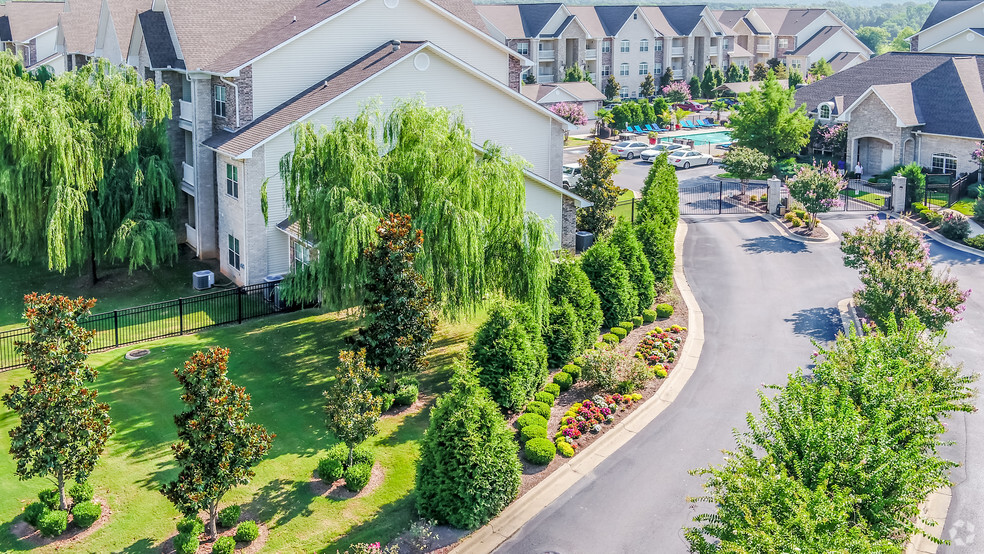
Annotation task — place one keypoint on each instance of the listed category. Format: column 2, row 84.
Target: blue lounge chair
column 639, row 130
column 662, row 129
column 709, row 123
column 704, row 123
column 649, row 127
column 686, row 124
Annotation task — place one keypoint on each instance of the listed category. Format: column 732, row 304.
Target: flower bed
column 588, row 416
column 660, row 348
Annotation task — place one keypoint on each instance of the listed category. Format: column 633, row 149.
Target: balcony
column 188, row 174
column 591, row 54
column 186, row 110
column 592, row 77
column 547, row 55
column 763, row 48
column 545, row 78
column 676, row 51
column 714, row 51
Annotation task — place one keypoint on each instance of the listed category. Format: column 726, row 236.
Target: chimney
column 395, row 44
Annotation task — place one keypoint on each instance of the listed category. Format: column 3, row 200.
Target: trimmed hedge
column 637, row 320
column 34, row 511
column 224, row 545
column 247, row 531
column 565, row 449
column 544, row 397
column 663, row 310
column 53, row 523
column 620, row 332
column 574, row 371
column 528, row 419
column 330, row 470
column 648, row 316
column 563, row 380
column 357, row 477
column 627, row 325
column 229, row 516
column 191, row 525
column 532, row 432
column 610, row 338
column 553, row 388
column 84, row 514
column 407, row 391
column 81, row 492
column 49, row 497
column 540, row 451
column 538, row 408
column 185, row 543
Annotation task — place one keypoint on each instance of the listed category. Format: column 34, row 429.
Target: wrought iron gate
column 723, row 197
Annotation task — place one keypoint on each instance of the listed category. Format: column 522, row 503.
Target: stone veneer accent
column 515, row 73
column 245, row 84
column 568, row 224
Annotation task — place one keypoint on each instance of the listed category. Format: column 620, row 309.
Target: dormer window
column 824, row 111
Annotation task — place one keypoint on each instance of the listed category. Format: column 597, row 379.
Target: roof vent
column 295, row 19
column 326, row 84
column 395, row 44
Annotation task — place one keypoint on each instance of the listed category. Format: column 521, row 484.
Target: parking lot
column 632, row 173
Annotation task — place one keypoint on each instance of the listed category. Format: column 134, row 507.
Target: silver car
column 689, row 158
column 658, row 149
column 629, row 149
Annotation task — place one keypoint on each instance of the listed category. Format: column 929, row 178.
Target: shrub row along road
column 764, row 298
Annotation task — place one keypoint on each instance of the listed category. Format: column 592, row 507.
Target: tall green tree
column 610, row 279
column 899, row 43
column 397, row 301
column 821, row 68
column 745, row 164
column 597, row 185
column 734, row 74
column 648, row 87
column 769, row 121
column 795, row 79
column 658, row 212
column 63, row 428
column 630, row 251
column 217, row 448
column 695, row 85
column 509, row 355
column 575, row 73
column 707, row 83
column 571, row 285
column 745, row 74
column 351, row 410
column 612, row 88
column 761, row 72
column 874, row 38
column 418, row 161
column 88, row 171
column 666, row 78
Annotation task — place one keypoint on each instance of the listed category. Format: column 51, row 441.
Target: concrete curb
column 941, row 239
column 517, row 514
column 933, row 509
column 831, row 236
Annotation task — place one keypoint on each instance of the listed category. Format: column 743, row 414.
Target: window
column 623, row 70
column 944, row 163
column 302, row 255
column 606, row 70
column 539, row 46
column 644, row 45
column 232, row 180
column 234, row 252
column 796, row 64
column 220, row 101
column 658, row 69
column 624, row 93
column 523, row 48
column 658, row 45
column 643, row 68
column 783, row 43
column 606, row 46
column 824, row 111
column 634, row 94
column 625, row 46
column 635, row 16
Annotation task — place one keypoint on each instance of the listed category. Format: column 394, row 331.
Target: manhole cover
column 136, row 354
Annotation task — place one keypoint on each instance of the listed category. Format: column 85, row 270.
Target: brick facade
column 568, row 225
column 515, row 73
column 243, row 103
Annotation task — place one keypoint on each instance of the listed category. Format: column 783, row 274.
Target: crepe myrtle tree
column 572, row 112
column 817, row 188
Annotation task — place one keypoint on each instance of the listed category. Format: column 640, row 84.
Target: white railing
column 191, row 235
column 547, row 55
column 545, row 78
column 186, row 111
column 676, row 51
column 714, row 51
column 591, row 54
column 763, row 48
column 677, row 72
column 592, row 77
column 188, row 174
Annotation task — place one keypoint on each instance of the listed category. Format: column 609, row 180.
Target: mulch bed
column 167, row 547
column 337, row 490
column 580, row 391
column 818, row 231
column 24, row 531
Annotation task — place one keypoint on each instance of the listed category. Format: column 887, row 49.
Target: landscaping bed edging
column 778, row 224
column 507, row 523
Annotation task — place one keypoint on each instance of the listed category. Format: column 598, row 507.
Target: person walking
column 859, row 169
column 840, row 167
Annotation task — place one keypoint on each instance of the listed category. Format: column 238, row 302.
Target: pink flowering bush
column 677, row 91
column 977, row 155
column 589, row 416
column 571, row 111
column 817, row 188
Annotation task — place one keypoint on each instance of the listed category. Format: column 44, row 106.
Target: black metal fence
column 165, row 319
column 723, row 197
column 941, row 195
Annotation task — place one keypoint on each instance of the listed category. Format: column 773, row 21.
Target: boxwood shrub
column 407, row 391
column 49, row 497
column 538, row 408
column 620, row 332
column 648, row 316
column 574, row 370
column 627, row 325
column 663, row 310
column 81, row 492
column 357, row 477
column 610, row 338
column 229, row 516
column 330, row 470
column 185, row 543
column 552, row 388
column 637, row 321
column 545, row 397
column 532, row 432
column 34, row 511
column 84, row 514
column 563, row 380
column 540, row 451
column 565, row 449
column 191, row 525
column 224, row 545
column 53, row 523
column 531, row 419
column 247, row 531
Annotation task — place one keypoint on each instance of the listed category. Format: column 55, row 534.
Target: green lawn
column 869, row 197
column 965, row 206
column 624, row 206
column 574, row 141
column 116, row 288
column 284, row 362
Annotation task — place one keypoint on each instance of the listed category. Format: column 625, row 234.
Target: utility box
column 202, row 280
column 271, row 282
column 583, row 240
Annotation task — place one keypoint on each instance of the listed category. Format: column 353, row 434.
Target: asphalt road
column 632, row 173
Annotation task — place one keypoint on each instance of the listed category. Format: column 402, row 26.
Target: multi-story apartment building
column 798, row 37
column 30, row 29
column 953, row 27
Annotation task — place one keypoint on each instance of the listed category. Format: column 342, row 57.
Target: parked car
column 572, row 174
column 690, row 106
column 689, row 158
column 731, row 102
column 650, row 154
column 629, row 149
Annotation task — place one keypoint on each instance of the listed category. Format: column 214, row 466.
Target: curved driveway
column 764, row 298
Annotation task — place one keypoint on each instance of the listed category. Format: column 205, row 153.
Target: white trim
column 956, row 15
column 846, row 116
column 524, row 61
column 951, row 37
column 921, row 133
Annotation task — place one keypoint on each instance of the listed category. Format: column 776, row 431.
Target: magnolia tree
column 816, row 188
column 677, row 91
column 571, row 111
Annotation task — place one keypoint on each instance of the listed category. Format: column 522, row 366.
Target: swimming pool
column 716, row 137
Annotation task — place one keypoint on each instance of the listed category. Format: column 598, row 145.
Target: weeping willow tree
column 85, row 172
column 416, row 160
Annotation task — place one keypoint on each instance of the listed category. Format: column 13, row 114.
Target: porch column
column 898, row 193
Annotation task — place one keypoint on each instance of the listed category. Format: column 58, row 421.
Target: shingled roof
column 945, row 9
column 536, row 16
column 684, row 19
column 157, row 37
column 79, row 25
column 947, row 90
column 22, row 21
column 614, row 17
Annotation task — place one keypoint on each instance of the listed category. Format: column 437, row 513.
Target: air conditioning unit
column 203, row 280
column 278, row 301
column 271, row 281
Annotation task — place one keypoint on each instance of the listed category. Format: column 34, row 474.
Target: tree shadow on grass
column 411, row 428
column 142, row 545
column 388, row 523
column 282, row 500
column 773, row 245
column 10, row 544
column 820, row 324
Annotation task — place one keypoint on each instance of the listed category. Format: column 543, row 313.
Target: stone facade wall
column 606, row 59
column 914, row 43
column 568, row 227
column 32, row 53
column 872, row 119
column 244, row 103
column 927, row 145
column 515, row 73
column 245, row 82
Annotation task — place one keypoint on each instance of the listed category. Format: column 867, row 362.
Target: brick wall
column 568, row 225
column 245, row 101
column 515, row 73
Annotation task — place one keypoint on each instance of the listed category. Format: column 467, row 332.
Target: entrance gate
column 723, row 197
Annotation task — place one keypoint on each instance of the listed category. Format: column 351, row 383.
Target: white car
column 572, row 174
column 650, row 154
column 629, row 149
column 689, row 158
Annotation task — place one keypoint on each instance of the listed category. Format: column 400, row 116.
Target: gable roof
column 659, row 22
column 683, row 19
column 157, row 37
column 797, row 19
column 818, row 39
column 587, row 16
column 613, row 18
column 123, row 14
column 78, row 26
column 535, row 16
column 22, row 21
column 505, row 18
column 956, row 110
column 841, row 60
column 729, row 18
column 581, row 91
column 945, row 9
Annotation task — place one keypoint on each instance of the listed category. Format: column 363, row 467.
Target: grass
column 727, row 175
column 575, row 141
column 965, row 206
column 869, row 197
column 116, row 288
column 624, row 206
column 285, row 362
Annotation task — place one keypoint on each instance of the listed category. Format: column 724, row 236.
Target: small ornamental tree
column 597, row 185
column 468, row 470
column 745, row 164
column 897, row 278
column 573, row 112
column 660, row 194
column 509, row 355
column 694, row 85
column 648, row 87
column 351, row 410
column 820, row 69
column 62, row 429
column 676, row 91
column 915, row 182
column 707, row 83
column 833, row 138
column 795, row 79
column 396, row 300
column 575, row 73
column 631, row 253
column 746, row 74
column 570, row 284
column 817, row 188
column 610, row 279
column 760, row 72
column 666, row 78
column 529, row 78
column 612, row 88
column 216, row 448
